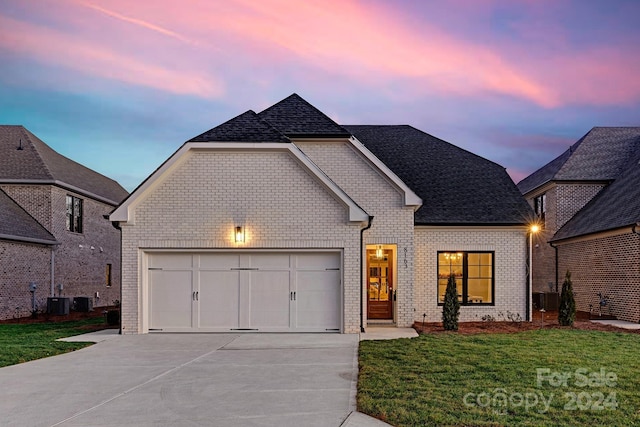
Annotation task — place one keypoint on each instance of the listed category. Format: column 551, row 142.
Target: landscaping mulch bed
column 73, row 315
column 550, row 322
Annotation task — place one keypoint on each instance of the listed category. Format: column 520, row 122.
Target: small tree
column 567, row 310
column 451, row 308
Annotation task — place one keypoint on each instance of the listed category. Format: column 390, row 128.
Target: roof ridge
column 34, row 144
column 55, row 153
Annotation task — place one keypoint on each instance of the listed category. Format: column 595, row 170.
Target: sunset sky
column 119, row 85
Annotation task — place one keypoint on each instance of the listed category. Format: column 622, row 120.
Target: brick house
column 285, row 221
column 53, row 229
column 588, row 201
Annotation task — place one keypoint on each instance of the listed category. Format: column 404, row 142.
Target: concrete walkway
column 618, row 323
column 189, row 379
column 387, row 333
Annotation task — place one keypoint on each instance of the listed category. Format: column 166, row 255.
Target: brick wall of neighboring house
column 563, row 202
column 544, row 256
column 21, row 264
column 80, row 269
column 198, row 203
column 393, row 222
column 608, row 265
column 571, row 198
column 35, row 199
column 509, row 246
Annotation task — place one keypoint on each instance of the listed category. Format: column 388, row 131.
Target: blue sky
column 118, row 85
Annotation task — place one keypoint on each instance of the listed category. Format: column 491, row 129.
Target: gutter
column 362, row 272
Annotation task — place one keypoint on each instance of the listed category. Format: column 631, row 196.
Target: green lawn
column 492, row 379
column 23, row 342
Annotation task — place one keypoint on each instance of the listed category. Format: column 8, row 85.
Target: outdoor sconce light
column 379, row 252
column 239, row 234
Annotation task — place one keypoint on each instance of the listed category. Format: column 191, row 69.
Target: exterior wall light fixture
column 239, row 233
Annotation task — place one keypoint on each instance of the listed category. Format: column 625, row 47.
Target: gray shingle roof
column 617, row 205
column 600, row 155
column 38, row 163
column 17, row 224
column 296, row 118
column 247, row 127
column 456, row 186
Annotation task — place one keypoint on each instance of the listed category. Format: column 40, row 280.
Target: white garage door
column 222, row 292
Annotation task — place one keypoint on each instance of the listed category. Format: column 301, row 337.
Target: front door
column 380, row 283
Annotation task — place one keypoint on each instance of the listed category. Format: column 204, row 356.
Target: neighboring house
column 588, row 201
column 53, row 229
column 286, row 221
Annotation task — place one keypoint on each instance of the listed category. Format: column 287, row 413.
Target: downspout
column 53, row 269
column 362, row 272
column 557, row 278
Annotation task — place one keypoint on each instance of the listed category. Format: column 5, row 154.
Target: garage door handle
column 197, row 296
column 292, row 296
column 194, row 296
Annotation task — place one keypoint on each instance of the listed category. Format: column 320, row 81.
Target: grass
column 424, row 381
column 24, row 342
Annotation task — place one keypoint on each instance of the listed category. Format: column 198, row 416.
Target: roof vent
column 20, row 146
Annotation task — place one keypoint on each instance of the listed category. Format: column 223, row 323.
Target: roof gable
column 616, row 206
column 26, row 158
column 296, row 118
column 600, row 155
column 124, row 212
column 456, row 186
column 247, row 127
column 17, row 224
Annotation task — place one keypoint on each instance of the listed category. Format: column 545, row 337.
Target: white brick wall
column 279, row 204
column 393, row 222
column 509, row 245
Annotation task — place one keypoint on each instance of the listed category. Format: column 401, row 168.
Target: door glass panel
column 379, row 277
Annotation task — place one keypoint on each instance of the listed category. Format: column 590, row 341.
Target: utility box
column 58, row 306
column 83, row 304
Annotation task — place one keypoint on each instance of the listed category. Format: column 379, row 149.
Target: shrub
column 567, row 309
column 451, row 308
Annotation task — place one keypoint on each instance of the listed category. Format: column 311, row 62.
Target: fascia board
column 410, row 198
column 123, row 212
column 62, row 185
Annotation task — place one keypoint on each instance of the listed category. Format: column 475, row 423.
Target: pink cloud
column 55, row 47
column 161, row 44
column 135, row 21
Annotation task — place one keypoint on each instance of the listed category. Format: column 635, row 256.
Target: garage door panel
column 270, row 261
column 219, row 299
column 317, row 261
column 170, row 299
column 219, row 261
column 318, row 299
column 266, row 291
column 171, row 260
column 269, row 299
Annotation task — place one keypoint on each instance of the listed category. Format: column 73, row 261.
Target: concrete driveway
column 188, row 380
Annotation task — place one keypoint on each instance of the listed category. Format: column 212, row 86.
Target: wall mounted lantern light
column 239, row 233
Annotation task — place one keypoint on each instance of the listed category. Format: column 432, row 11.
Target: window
column 540, row 206
column 74, row 214
column 474, row 276
column 108, row 275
